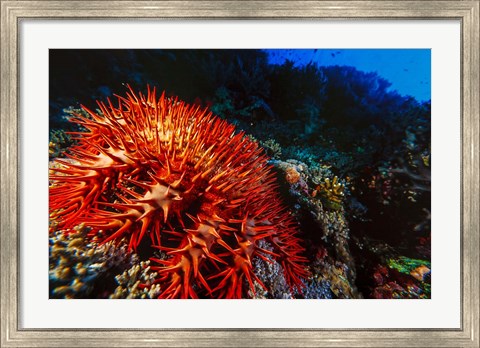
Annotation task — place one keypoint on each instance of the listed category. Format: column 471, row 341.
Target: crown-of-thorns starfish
column 182, row 177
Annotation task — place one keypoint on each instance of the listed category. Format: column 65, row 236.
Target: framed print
column 264, row 173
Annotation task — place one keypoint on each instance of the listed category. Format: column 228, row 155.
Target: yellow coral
column 331, row 192
column 426, row 160
column 334, row 190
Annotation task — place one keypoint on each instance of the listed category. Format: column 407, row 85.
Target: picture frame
column 12, row 12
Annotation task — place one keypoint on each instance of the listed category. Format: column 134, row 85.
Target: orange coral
column 201, row 192
column 292, row 175
column 420, row 272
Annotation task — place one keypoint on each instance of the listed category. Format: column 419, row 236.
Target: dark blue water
column 408, row 70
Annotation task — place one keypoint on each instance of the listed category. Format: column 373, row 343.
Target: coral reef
column 331, row 193
column 270, row 273
column 273, row 149
column 137, row 282
column 333, row 276
column 78, row 267
column 200, row 191
column 176, row 188
column 331, row 280
column 59, row 142
column 403, row 277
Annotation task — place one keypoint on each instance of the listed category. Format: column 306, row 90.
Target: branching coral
column 137, row 282
column 76, row 264
column 331, row 192
column 59, row 141
column 162, row 170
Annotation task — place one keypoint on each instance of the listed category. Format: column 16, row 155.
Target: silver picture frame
column 467, row 12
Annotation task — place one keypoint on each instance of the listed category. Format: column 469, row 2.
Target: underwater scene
column 239, row 173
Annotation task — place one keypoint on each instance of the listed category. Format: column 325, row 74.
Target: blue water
column 408, row 70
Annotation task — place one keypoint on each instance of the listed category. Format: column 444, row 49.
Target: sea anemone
column 171, row 175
